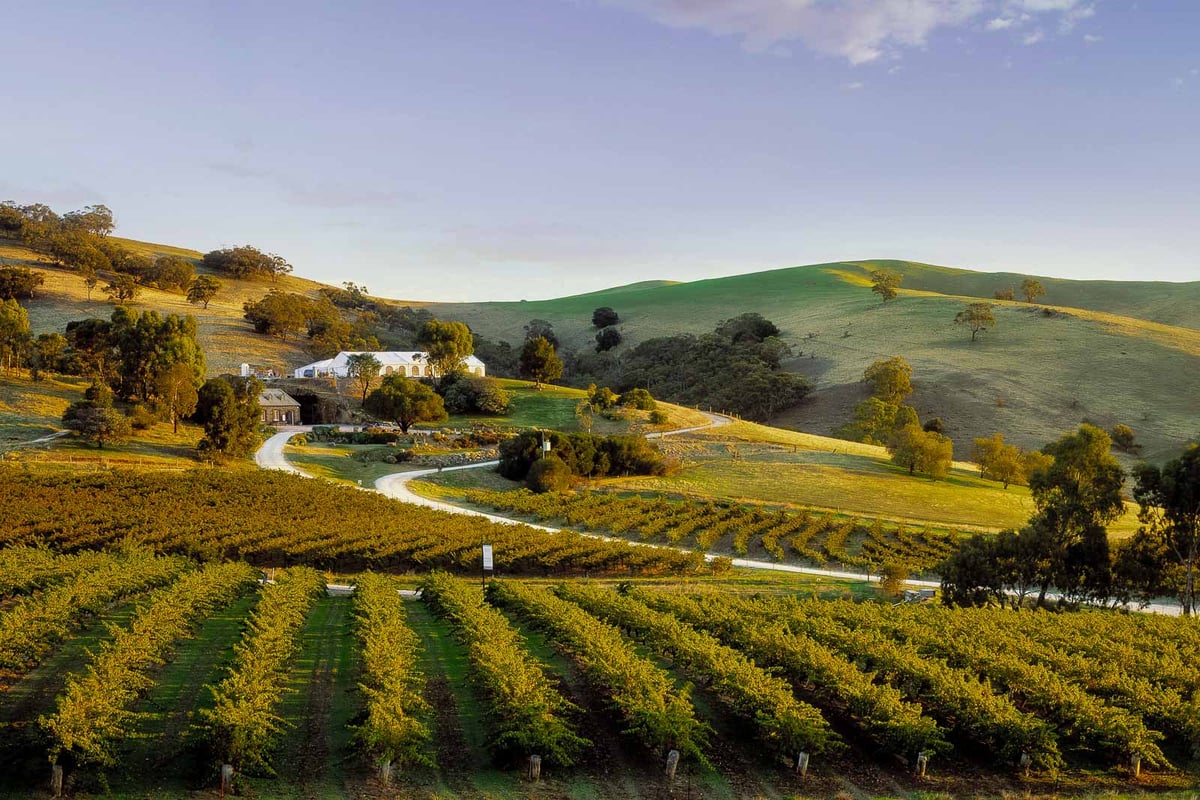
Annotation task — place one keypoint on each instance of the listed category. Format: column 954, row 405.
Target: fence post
column 56, row 780
column 672, row 764
column 802, row 764
column 535, row 768
column 226, row 778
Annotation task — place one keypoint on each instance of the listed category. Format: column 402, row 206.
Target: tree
column 91, row 341
column 1124, row 439
column 1005, row 294
column 890, row 379
column 1170, row 517
column 976, row 316
column 1032, row 290
column 19, row 282
column 95, row 419
column 144, row 344
column 203, row 289
column 447, row 343
column 549, row 474
column 542, row 328
column 363, row 369
column 607, row 339
column 638, row 398
column 1004, row 569
column 14, row 334
column 885, row 283
column 405, row 402
column 47, row 354
column 604, row 317
column 875, row 421
column 96, row 220
column 998, row 461
column 228, row 409
column 170, row 273
column 1077, row 496
column 539, row 362
column 466, row 394
column 602, row 398
column 748, row 327
column 246, row 262
column 277, row 314
column 921, row 451
column 90, row 279
column 122, row 288
column 176, row 390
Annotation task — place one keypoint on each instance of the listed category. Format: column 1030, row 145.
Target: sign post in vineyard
column 488, row 563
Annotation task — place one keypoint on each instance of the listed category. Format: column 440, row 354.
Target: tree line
column 1077, row 492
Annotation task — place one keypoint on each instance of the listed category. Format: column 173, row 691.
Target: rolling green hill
column 1100, row 351
column 1043, row 370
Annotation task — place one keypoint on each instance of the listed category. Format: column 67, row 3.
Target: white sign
column 487, row 557
column 546, row 446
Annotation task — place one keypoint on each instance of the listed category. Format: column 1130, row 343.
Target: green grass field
column 1091, row 357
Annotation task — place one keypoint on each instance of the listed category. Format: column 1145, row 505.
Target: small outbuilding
column 279, row 408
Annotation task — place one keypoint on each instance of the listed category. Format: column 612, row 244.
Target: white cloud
column 1032, row 38
column 1092, row 39
column 854, row 86
column 861, row 31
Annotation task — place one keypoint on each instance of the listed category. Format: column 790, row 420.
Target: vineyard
column 806, row 537
column 276, row 519
column 170, row 668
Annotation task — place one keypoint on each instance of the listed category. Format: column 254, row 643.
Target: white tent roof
column 393, row 358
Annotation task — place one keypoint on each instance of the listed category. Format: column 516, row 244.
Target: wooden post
column 672, row 764
column 535, row 768
column 1025, row 763
column 1135, row 765
column 385, row 772
column 226, row 779
column 922, row 763
column 56, row 780
column 802, row 764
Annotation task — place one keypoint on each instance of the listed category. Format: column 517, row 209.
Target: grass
column 843, row 483
column 227, row 339
column 338, row 462
column 160, row 752
column 1108, row 353
column 320, row 704
column 31, row 410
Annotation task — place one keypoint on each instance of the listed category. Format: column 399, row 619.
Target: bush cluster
column 584, row 455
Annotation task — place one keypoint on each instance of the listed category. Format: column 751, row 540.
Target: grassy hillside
column 1100, row 351
column 228, row 340
column 1042, row 371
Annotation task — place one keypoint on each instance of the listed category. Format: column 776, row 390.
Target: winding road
column 271, row 456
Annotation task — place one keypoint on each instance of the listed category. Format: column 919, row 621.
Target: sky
column 497, row 149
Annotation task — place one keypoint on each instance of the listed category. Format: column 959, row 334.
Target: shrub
column 659, row 417
column 892, row 577
column 607, row 339
column 639, row 399
column 549, row 474
column 466, row 395
column 586, row 455
column 141, row 418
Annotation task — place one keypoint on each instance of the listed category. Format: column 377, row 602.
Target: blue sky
column 486, row 149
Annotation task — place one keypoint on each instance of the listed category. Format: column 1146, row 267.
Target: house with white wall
column 410, row 364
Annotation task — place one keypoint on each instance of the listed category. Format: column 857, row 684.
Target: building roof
column 391, row 358
column 275, row 397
